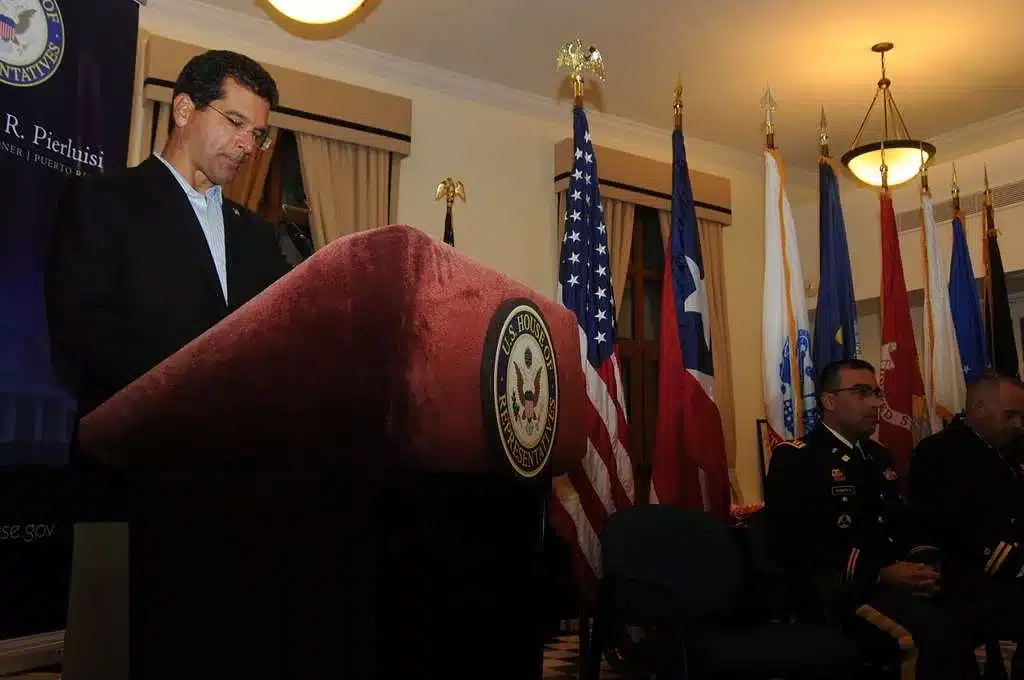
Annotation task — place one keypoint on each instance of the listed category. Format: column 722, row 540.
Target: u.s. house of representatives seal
column 31, row 41
column 519, row 381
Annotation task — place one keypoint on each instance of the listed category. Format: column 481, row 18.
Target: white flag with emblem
column 943, row 375
column 790, row 404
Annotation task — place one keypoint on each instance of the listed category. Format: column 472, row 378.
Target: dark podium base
column 401, row 575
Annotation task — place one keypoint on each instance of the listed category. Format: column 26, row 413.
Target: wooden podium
column 349, row 474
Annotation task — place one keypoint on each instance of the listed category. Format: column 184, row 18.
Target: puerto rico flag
column 689, row 465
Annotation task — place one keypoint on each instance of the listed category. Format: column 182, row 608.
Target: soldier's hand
column 909, row 575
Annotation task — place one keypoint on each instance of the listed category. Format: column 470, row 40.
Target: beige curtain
column 712, row 253
column 619, row 217
column 247, row 187
column 348, row 187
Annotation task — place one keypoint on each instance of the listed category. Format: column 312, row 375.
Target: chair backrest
column 681, row 559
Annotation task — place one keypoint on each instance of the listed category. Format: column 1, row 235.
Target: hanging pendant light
column 316, row 11
column 896, row 157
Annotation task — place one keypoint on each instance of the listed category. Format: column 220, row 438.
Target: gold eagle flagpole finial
column 577, row 58
column 449, row 189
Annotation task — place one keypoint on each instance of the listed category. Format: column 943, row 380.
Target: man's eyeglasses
column 260, row 136
column 862, row 391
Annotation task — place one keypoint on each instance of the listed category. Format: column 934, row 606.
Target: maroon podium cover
column 385, row 338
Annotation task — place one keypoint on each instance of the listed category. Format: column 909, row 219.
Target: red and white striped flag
column 603, row 482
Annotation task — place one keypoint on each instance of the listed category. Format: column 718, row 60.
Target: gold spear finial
column 450, row 189
column 956, row 190
column 768, row 106
column 988, row 189
column 823, row 134
column 578, row 59
column 924, row 174
column 677, row 102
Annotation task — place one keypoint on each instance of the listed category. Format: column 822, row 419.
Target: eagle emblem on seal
column 519, row 377
column 528, row 405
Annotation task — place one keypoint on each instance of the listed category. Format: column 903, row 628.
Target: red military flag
column 899, row 373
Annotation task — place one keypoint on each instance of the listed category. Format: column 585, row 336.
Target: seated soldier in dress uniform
column 836, row 519
column 966, row 485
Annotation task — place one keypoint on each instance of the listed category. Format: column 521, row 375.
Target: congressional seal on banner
column 31, row 41
column 519, row 383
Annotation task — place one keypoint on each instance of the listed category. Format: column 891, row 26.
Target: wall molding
column 614, row 131
column 1003, row 196
column 979, row 136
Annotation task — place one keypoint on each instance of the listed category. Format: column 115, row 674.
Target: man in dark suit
column 967, row 486
column 146, row 259
column 839, row 524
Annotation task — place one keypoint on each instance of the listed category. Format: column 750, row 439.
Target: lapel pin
column 237, row 214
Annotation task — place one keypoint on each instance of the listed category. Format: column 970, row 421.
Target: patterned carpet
column 561, row 659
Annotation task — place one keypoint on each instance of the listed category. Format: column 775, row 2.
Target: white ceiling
column 955, row 63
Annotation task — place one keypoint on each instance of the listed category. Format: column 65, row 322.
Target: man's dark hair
column 828, row 379
column 987, row 380
column 203, row 77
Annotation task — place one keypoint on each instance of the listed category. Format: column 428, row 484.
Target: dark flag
column 998, row 323
column 835, row 317
column 66, row 77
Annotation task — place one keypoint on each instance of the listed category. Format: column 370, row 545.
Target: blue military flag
column 835, row 318
column 965, row 304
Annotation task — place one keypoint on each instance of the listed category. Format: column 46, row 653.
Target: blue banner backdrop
column 67, row 69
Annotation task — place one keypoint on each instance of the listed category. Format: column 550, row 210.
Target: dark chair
column 678, row 573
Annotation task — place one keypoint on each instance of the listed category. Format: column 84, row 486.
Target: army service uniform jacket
column 970, row 501
column 836, row 515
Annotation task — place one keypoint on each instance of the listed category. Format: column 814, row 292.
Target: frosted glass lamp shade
column 316, row 11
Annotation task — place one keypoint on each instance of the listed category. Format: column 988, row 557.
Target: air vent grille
column 970, row 204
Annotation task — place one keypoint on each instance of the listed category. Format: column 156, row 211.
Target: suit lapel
column 181, row 217
column 233, row 237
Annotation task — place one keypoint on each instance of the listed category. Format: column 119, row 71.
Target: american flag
column 8, row 33
column 603, row 483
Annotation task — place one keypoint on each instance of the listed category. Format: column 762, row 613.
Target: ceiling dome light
column 316, row 11
column 896, row 157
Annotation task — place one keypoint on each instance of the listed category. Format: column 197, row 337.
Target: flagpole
column 449, row 189
column 823, row 136
column 677, row 103
column 987, row 227
column 929, row 320
column 577, row 59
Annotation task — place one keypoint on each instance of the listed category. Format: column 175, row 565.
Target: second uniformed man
column 967, row 487
column 837, row 520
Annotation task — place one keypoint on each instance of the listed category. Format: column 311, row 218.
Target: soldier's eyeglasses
column 862, row 391
column 260, row 136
